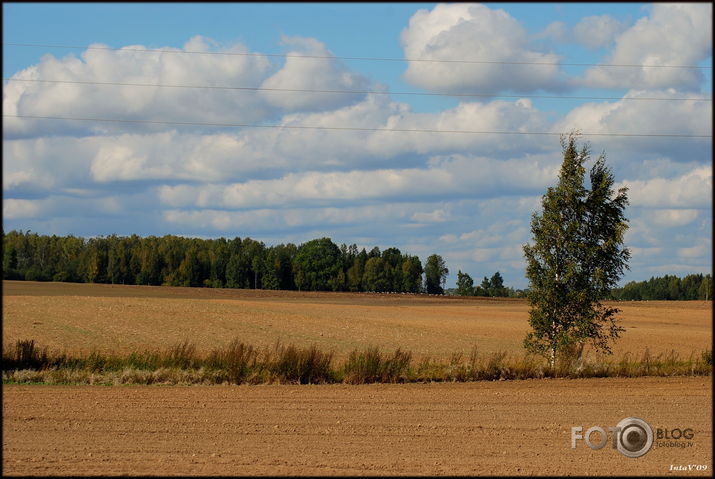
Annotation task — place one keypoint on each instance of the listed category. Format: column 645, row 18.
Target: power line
column 376, row 92
column 339, row 128
column 331, row 57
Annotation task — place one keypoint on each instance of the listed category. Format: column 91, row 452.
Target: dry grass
column 239, row 363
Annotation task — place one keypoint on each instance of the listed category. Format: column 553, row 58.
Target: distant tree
column 496, row 286
column 668, row 287
column 375, row 276
column 465, row 284
column 233, row 272
column 317, row 264
column 279, row 268
column 9, row 264
column 355, row 274
column 484, row 289
column 216, row 263
column 189, row 271
column 150, row 262
column 706, row 288
column 412, row 274
column 340, row 281
column 435, row 274
column 94, row 261
column 577, row 258
column 118, row 261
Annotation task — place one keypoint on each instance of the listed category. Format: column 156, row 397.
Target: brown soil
column 486, row 428
column 122, row 318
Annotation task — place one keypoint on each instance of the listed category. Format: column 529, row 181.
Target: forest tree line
column 489, row 287
column 317, row 265
column 668, row 287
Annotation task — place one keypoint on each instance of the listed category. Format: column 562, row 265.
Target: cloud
column 436, row 216
column 79, row 206
column 692, row 190
column 468, row 197
column 116, row 162
column 635, row 116
column 557, row 30
column 18, row 208
column 138, row 100
column 670, row 218
column 511, row 230
column 697, row 251
column 597, row 31
column 127, row 65
column 474, row 32
column 257, row 153
column 638, row 253
column 673, row 34
column 450, row 176
column 312, row 74
column 291, row 219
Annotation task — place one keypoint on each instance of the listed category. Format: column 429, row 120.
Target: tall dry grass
column 241, row 363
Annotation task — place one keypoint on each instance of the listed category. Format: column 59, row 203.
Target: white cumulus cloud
column 465, row 31
column 691, row 190
column 673, row 34
column 312, row 74
column 131, row 65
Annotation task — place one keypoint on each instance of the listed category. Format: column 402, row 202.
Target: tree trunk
column 552, row 359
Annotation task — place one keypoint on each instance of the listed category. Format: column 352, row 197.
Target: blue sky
column 468, row 197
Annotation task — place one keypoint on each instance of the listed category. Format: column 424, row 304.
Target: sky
column 223, row 120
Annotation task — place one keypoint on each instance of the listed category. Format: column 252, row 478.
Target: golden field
column 84, row 317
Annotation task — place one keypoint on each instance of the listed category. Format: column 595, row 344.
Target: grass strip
column 25, row 362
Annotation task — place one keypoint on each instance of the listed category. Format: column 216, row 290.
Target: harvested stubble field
column 482, row 428
column 85, row 317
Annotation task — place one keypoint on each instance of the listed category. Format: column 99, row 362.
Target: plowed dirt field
column 486, row 428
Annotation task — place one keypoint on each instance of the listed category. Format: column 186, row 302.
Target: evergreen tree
column 496, row 286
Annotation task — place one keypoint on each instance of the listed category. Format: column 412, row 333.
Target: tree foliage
column 317, row 265
column 494, row 286
column 465, row 284
column 668, row 287
column 577, row 257
column 435, row 274
column 490, row 287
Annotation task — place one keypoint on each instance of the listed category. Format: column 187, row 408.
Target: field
column 126, row 318
column 480, row 428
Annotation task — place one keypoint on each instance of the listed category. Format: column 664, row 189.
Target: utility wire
column 339, row 128
column 331, row 57
column 375, row 92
